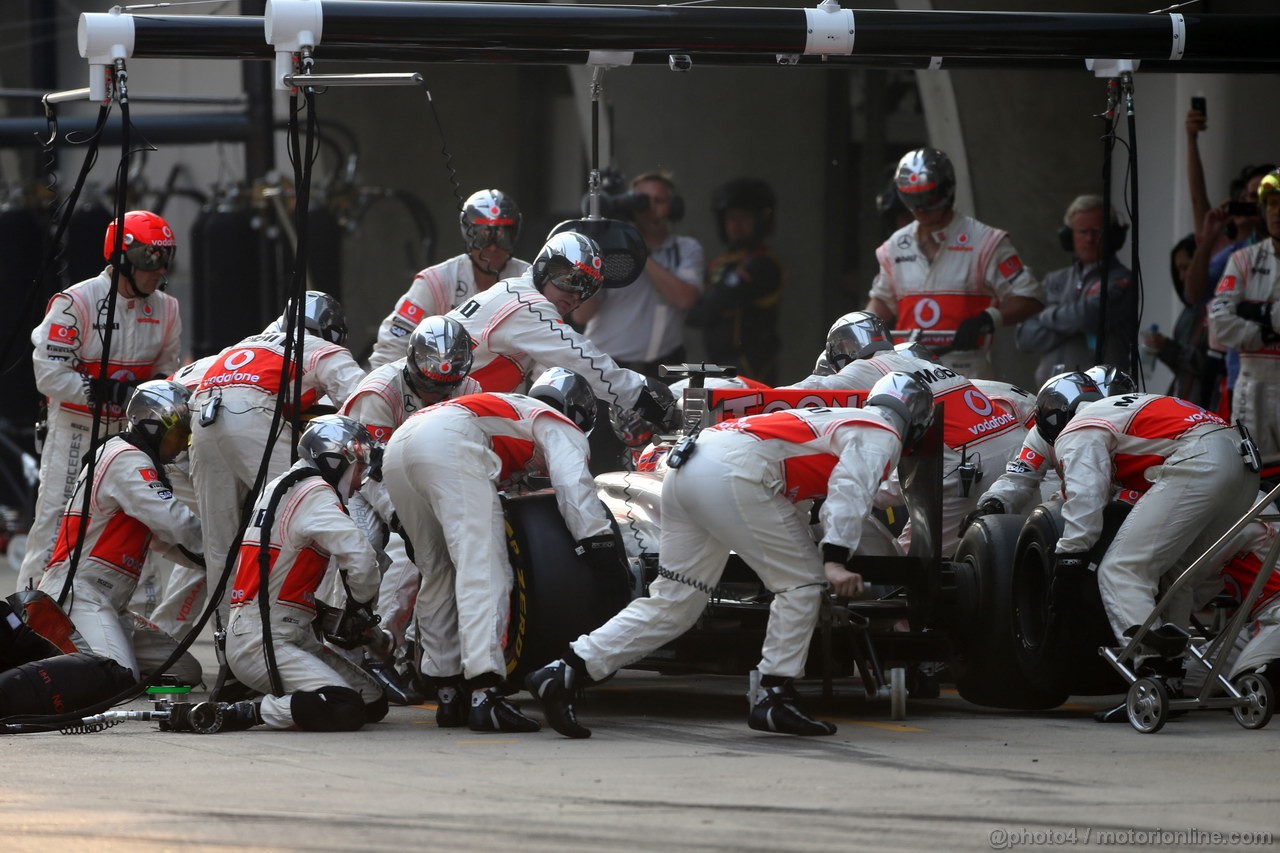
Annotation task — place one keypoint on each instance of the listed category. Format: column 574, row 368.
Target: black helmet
column 750, row 194
column 567, row 393
column 156, row 408
column 634, row 429
column 490, row 217
column 858, row 334
column 1111, row 380
column 908, row 399
column 1058, row 400
column 335, row 445
column 926, row 180
column 439, row 358
column 322, row 316
column 569, row 261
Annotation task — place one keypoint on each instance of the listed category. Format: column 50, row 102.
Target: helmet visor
column 149, row 258
column 500, row 232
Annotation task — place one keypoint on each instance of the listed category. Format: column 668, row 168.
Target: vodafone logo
column 63, row 334
column 123, row 375
column 927, row 313
column 238, row 359
column 979, row 402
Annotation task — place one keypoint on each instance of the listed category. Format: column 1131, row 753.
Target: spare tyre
column 996, row 654
column 555, row 596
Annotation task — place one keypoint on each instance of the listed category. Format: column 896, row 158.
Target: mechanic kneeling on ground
column 738, row 491
column 301, row 518
column 132, row 509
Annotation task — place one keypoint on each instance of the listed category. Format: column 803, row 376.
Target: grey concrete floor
column 672, row 766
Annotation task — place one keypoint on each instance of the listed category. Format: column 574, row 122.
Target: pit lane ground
column 672, row 766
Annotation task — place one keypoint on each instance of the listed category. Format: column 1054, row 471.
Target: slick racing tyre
column 997, row 652
column 555, row 597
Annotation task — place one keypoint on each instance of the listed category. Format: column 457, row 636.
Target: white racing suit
column 444, row 468
column 382, row 401
column 975, row 428
column 1187, row 462
column 515, row 327
column 1259, row 642
column 976, row 268
column 146, row 341
column 1252, row 275
column 747, row 489
column 310, row 527
column 435, row 290
column 183, row 593
column 131, row 510
column 225, row 455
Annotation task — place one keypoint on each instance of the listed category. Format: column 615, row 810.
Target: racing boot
column 556, row 686
column 1167, row 641
column 451, row 710
column 774, row 709
column 490, row 712
column 398, row 690
column 210, row 718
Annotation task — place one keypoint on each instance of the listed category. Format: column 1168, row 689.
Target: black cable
column 444, row 149
column 108, row 323
column 54, row 254
column 1134, row 229
column 1104, row 260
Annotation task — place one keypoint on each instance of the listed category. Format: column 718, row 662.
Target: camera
column 615, row 201
column 1241, row 208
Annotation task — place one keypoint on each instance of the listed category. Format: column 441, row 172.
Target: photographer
column 642, row 325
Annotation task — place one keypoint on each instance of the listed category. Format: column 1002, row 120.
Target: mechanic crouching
column 737, row 489
column 1187, row 464
column 132, row 509
column 302, row 519
column 443, row 469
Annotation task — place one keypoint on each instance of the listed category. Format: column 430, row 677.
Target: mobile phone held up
column 1198, row 104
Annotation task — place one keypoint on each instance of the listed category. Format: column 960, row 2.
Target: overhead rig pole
column 385, row 30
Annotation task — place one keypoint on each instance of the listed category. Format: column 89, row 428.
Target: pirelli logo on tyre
column 518, row 616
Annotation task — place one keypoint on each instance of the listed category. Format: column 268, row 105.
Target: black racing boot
column 492, row 713
column 398, row 689
column 1167, row 641
column 556, row 686
column 774, row 709
column 451, row 709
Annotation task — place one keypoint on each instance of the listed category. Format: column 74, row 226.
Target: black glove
column 1070, row 576
column 652, row 410
column 398, row 529
column 110, row 391
column 1258, row 312
column 971, row 329
column 991, row 506
column 835, row 553
column 357, row 626
column 600, row 552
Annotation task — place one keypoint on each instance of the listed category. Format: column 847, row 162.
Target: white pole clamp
column 828, row 29
column 290, row 26
column 104, row 37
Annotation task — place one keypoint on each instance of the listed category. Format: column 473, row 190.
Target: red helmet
column 148, row 240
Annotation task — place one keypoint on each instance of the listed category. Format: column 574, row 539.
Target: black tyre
column 555, row 596
column 1066, row 643
column 996, row 653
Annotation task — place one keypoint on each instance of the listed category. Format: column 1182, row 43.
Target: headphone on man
column 1113, row 234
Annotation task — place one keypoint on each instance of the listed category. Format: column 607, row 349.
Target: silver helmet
column 489, row 218
column 440, row 355
column 635, row 430
column 155, row 409
column 570, row 262
column 908, row 399
column 322, row 316
column 1111, row 380
column 1059, row 400
column 336, row 445
column 856, row 335
column 567, row 393
column 926, row 180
